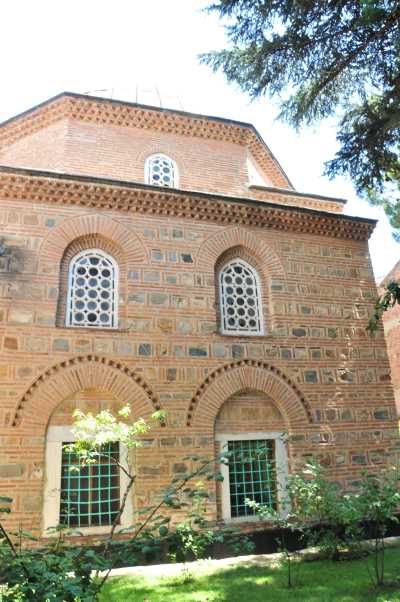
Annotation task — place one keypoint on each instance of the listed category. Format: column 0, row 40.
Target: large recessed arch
column 220, row 242
column 70, row 376
column 53, row 247
column 242, row 376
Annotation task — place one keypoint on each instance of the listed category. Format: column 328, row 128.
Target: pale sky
column 138, row 50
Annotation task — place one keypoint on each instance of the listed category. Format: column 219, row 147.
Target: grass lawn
column 319, row 581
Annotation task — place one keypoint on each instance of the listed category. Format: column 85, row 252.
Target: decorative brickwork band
column 44, row 187
column 62, row 380
column 243, row 376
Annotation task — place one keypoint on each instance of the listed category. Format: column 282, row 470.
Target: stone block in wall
column 11, row 471
column 19, row 315
column 31, row 502
column 61, row 345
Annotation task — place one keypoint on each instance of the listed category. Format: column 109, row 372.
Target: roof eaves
column 40, row 105
column 139, row 185
column 296, row 193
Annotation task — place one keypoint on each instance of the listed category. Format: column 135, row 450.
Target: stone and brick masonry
column 391, row 323
column 72, row 178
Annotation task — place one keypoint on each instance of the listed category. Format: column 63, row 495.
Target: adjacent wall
column 391, row 323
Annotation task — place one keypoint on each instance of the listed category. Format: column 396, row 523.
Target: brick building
column 391, row 324
column 163, row 259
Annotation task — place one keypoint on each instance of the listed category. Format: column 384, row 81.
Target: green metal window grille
column 90, row 496
column 252, row 475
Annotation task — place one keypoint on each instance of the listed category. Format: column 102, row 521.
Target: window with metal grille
column 92, row 290
column 240, row 299
column 252, row 475
column 90, row 495
column 160, row 170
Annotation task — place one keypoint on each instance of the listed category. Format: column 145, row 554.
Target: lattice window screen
column 90, row 495
column 240, row 299
column 252, row 475
column 161, row 171
column 92, row 290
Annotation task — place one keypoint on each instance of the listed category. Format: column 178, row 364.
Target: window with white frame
column 240, row 299
column 160, row 170
column 87, row 498
column 92, row 290
column 256, row 470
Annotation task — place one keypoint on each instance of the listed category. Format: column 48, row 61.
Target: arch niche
column 90, row 231
column 242, row 376
column 59, row 382
column 244, row 404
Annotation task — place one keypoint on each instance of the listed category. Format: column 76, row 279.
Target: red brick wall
column 120, row 153
column 327, row 378
column 44, row 149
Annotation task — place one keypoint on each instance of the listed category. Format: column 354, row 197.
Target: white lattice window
column 160, row 170
column 92, row 290
column 240, row 297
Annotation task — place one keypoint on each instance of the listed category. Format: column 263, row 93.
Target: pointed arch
column 241, row 376
column 214, row 246
column 70, row 376
column 53, row 247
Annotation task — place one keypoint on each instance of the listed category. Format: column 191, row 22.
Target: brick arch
column 163, row 148
column 62, row 380
column 60, row 238
column 243, row 375
column 82, row 243
column 238, row 252
column 217, row 244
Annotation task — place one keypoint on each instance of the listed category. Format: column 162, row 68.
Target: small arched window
column 240, row 299
column 92, row 290
column 160, row 170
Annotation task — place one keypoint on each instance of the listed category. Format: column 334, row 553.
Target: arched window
column 92, row 290
column 240, row 298
column 160, row 170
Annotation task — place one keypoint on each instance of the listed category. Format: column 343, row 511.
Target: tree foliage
column 335, row 521
column 323, row 58
column 390, row 297
column 65, row 571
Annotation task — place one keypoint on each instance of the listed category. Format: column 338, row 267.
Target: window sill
column 87, row 329
column 82, row 531
column 249, row 520
column 241, row 520
column 243, row 334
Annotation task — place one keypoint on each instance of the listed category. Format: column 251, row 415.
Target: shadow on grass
column 319, row 581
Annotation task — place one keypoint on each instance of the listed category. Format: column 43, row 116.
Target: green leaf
column 6, row 499
column 163, row 531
